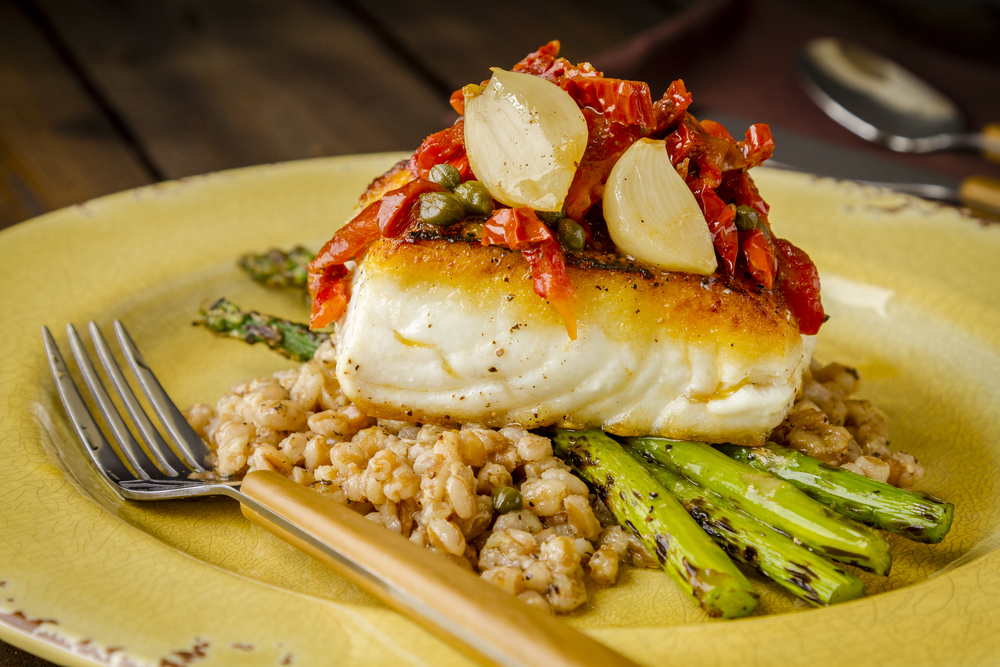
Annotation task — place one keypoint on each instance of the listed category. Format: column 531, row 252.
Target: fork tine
column 162, row 454
column 190, row 443
column 130, row 449
column 101, row 454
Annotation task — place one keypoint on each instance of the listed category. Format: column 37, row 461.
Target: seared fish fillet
column 452, row 332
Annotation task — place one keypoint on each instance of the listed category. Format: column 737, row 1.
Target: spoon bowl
column 881, row 101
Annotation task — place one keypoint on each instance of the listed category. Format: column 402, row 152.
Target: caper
column 446, row 176
column 440, row 208
column 746, row 218
column 476, row 199
column 551, row 218
column 507, row 499
column 571, row 235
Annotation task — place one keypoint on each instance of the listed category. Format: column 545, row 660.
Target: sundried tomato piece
column 798, row 280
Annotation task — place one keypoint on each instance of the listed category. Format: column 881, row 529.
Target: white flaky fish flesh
column 446, row 331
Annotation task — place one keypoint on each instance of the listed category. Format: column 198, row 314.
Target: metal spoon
column 882, row 102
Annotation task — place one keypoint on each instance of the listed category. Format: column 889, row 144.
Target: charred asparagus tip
column 290, row 339
column 913, row 516
column 277, row 268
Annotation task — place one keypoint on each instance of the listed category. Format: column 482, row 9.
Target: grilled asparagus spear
column 290, row 339
column 914, row 516
column 796, row 569
column 688, row 555
column 277, row 268
column 773, row 501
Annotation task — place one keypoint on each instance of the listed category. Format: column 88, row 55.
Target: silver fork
column 458, row 606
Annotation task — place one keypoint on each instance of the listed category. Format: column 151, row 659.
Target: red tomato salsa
column 618, row 113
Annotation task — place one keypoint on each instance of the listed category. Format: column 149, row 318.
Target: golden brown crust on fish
column 750, row 322
column 396, row 176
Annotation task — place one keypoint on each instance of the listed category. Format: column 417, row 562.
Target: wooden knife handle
column 991, row 141
column 476, row 617
column 982, row 193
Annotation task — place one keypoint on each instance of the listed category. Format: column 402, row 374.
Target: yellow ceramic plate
column 86, row 578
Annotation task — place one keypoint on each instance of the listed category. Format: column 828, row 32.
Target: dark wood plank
column 213, row 85
column 11, row 656
column 460, row 41
column 57, row 147
column 744, row 62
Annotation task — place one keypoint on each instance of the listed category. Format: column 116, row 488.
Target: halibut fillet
column 449, row 332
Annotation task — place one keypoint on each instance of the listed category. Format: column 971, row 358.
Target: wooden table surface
column 99, row 96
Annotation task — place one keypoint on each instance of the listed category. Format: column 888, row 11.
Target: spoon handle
column 990, row 142
column 981, row 192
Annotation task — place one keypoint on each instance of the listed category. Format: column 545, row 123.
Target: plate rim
column 987, row 563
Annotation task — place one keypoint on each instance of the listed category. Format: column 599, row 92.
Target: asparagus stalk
column 277, row 268
column 917, row 517
column 683, row 549
column 773, row 501
column 801, row 572
column 290, row 339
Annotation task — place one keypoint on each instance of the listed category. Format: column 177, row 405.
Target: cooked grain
column 828, row 424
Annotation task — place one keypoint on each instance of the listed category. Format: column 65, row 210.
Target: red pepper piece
column 326, row 272
column 759, row 144
column 520, row 229
column 721, row 219
column 720, row 155
column 738, row 188
column 798, row 280
column 717, row 130
column 684, row 142
column 551, row 281
column 515, row 228
column 457, row 101
column 446, row 146
column 388, row 216
column 350, row 240
column 759, row 256
column 540, row 61
column 545, row 63
column 621, row 101
column 586, row 189
column 713, row 153
column 327, row 278
column 606, row 144
column 330, row 291
column 394, row 214
column 672, row 107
